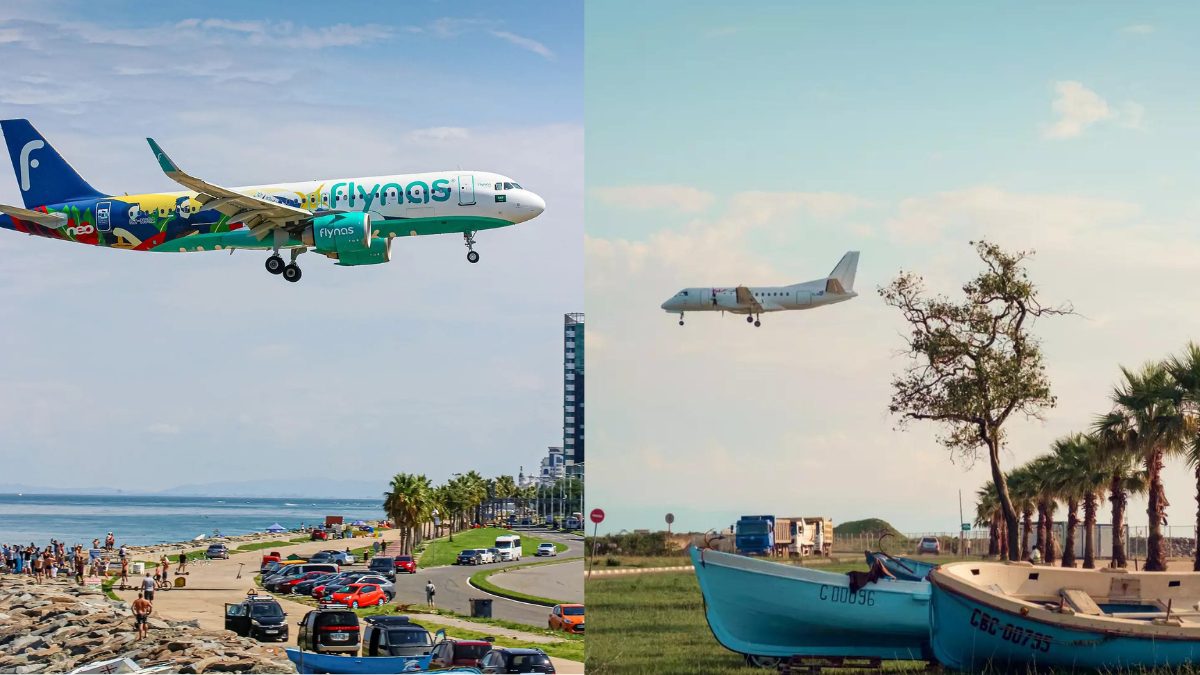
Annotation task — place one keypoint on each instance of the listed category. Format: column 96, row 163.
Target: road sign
column 670, row 518
column 597, row 516
column 966, row 527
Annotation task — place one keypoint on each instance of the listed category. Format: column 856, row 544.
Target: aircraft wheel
column 275, row 264
column 757, row 324
column 472, row 257
column 681, row 322
column 292, row 273
column 749, row 319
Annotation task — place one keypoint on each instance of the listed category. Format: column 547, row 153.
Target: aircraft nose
column 536, row 205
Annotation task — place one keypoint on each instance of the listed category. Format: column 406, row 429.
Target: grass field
column 440, row 552
column 480, row 581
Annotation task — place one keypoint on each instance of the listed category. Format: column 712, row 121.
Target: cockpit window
column 517, row 186
column 683, row 293
column 508, row 186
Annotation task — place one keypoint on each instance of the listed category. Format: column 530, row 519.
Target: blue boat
column 1015, row 616
column 902, row 568
column 769, row 611
column 312, row 662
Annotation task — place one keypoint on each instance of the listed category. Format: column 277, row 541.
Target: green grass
column 440, row 552
column 654, row 623
column 259, row 545
column 107, row 586
column 480, row 581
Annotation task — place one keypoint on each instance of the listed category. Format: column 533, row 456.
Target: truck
column 755, row 535
column 802, row 536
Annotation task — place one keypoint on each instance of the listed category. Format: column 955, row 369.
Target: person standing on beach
column 165, row 564
column 430, row 591
column 148, row 586
column 141, row 613
column 182, row 564
column 37, row 569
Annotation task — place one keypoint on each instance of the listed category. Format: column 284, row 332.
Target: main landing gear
column 751, row 319
column 290, row 271
column 469, row 238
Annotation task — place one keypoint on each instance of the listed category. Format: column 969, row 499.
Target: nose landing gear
column 681, row 318
column 469, row 239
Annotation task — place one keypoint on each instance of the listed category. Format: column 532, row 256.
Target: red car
column 319, row 535
column 273, row 556
column 360, row 595
column 406, row 563
column 286, row 586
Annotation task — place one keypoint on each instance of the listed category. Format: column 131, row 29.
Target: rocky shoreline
column 58, row 626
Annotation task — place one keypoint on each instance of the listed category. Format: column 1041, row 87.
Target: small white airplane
column 753, row 301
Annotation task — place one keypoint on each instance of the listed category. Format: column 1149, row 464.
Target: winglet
column 165, row 162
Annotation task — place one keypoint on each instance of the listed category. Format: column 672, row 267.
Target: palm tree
column 1042, row 474
column 1089, row 478
column 506, row 489
column 1185, row 371
column 1076, row 481
column 1148, row 417
column 408, row 503
column 988, row 514
column 1022, row 490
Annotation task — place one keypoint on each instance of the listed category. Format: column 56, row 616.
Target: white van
column 510, row 547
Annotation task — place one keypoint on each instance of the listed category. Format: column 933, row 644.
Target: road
column 558, row 581
column 212, row 584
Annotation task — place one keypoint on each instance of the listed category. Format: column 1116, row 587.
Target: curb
column 501, row 592
column 643, row 570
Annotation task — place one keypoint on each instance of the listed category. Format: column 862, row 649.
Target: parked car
column 395, row 636
column 341, row 579
column 258, row 617
column 513, row 660
column 406, row 563
column 929, row 545
column 329, row 631
column 388, row 588
column 344, row 557
column 319, row 535
column 306, row 587
column 359, row 595
column 546, row 549
column 271, row 557
column 217, row 551
column 448, row 653
column 468, row 556
column 287, row 585
column 293, row 571
column 383, row 564
column 322, row 557
column 568, row 618
column 486, row 556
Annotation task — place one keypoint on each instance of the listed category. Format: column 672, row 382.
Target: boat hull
column 904, row 568
column 311, row 662
column 972, row 635
column 761, row 608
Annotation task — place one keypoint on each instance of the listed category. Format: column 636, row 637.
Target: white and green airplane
column 351, row 220
column 754, row 300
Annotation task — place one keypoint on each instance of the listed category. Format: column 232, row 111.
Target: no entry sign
column 597, row 516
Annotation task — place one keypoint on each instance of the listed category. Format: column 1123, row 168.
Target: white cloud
column 1077, row 108
column 678, row 198
column 528, row 44
column 822, row 205
column 1138, row 29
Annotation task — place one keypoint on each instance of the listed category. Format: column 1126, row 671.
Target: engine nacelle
column 338, row 234
column 379, row 252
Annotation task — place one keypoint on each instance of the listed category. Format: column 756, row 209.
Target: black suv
column 468, row 556
column 395, row 636
column 258, row 617
column 511, row 660
column 329, row 631
column 383, row 565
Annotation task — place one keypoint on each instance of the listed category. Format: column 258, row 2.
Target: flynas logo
column 27, row 163
column 327, row 232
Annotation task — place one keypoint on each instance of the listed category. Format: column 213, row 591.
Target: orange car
column 567, row 617
column 359, row 595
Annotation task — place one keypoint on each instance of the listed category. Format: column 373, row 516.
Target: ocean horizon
column 155, row 519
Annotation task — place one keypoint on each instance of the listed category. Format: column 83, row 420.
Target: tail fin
column 42, row 174
column 841, row 279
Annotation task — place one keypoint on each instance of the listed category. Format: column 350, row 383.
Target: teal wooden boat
column 768, row 610
column 1015, row 616
column 902, row 568
column 312, row 662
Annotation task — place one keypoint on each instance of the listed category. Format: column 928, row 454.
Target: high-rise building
column 573, row 389
column 552, row 468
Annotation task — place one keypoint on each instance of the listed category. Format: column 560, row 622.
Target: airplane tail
column 841, row 279
column 42, row 174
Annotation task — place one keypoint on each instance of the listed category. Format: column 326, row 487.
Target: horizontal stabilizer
column 51, row 220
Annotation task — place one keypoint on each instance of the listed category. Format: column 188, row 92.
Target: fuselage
column 439, row 202
column 770, row 298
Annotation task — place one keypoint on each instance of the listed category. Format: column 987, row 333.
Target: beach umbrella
column 360, row 522
column 276, row 528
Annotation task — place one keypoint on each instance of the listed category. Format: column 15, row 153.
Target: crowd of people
column 55, row 559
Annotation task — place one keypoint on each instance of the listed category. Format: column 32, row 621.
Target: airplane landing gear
column 275, row 264
column 681, row 318
column 292, row 271
column 757, row 323
column 749, row 319
column 469, row 238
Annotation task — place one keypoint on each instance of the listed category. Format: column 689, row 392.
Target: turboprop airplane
column 753, row 301
column 351, row 220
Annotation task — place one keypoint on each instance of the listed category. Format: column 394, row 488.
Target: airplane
column 837, row 287
column 350, row 220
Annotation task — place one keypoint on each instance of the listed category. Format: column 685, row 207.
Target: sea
column 144, row 520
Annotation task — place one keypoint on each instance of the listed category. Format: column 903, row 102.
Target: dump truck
column 755, row 535
column 802, row 536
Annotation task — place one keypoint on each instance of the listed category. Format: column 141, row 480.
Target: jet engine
column 347, row 238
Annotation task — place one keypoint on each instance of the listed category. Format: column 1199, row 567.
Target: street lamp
column 453, row 475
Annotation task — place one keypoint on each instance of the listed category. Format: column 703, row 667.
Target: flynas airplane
column 351, row 220
column 753, row 301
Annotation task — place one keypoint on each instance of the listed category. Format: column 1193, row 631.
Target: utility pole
column 961, row 533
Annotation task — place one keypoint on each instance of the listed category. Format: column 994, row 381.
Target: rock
column 31, row 668
column 27, row 642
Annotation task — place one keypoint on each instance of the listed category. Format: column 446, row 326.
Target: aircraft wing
column 745, row 297
column 260, row 215
column 51, row 220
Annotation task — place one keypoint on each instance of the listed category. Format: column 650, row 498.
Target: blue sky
column 730, row 144
column 152, row 370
